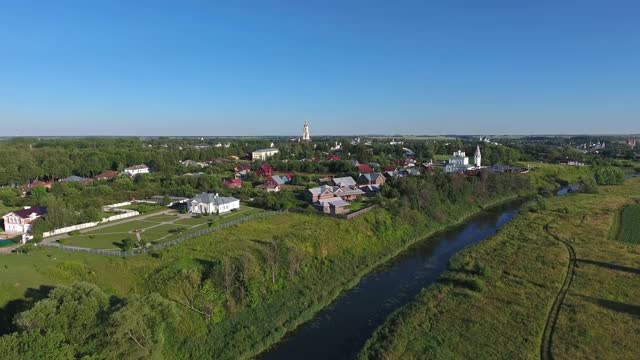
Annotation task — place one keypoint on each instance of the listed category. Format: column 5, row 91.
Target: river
column 340, row 330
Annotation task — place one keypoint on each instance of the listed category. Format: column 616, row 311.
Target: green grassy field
column 495, row 299
column 630, row 224
column 155, row 229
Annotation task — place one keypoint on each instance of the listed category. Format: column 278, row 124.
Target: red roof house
column 365, row 169
column 265, row 171
column 233, row 183
column 333, row 158
column 107, row 175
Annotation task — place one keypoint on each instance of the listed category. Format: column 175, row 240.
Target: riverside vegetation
column 234, row 293
column 496, row 298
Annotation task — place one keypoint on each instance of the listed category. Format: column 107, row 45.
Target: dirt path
column 546, row 347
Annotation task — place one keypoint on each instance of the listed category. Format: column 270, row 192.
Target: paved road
column 109, row 224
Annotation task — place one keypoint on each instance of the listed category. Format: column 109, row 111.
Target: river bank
column 339, row 330
column 501, row 310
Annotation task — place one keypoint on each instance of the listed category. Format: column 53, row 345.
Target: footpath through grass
column 495, row 300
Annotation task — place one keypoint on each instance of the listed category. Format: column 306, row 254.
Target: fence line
column 163, row 245
column 128, row 214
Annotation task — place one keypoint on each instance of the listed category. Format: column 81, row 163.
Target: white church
column 459, row 162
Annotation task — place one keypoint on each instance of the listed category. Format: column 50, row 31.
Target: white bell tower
column 305, row 132
column 477, row 158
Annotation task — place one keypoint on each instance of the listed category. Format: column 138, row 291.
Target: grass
column 155, row 229
column 503, row 313
column 630, row 224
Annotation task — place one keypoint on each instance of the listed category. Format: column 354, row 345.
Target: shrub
column 609, row 176
column 74, row 233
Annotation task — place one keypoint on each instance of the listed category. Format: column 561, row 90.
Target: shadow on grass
column 615, row 306
column 609, row 266
column 9, row 311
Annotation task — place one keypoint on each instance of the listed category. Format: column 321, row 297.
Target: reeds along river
column 340, row 330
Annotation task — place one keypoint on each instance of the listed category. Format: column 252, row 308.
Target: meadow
column 496, row 298
column 630, row 224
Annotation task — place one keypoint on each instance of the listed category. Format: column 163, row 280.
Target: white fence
column 114, row 207
column 67, row 229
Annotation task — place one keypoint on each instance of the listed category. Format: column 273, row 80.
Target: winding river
column 340, row 330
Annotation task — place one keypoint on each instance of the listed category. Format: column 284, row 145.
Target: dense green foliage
column 608, row 176
column 81, row 320
column 630, row 224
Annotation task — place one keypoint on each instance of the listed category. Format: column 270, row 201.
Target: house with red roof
column 333, row 158
column 365, row 169
column 265, row 171
column 21, row 221
column 233, row 183
column 107, row 175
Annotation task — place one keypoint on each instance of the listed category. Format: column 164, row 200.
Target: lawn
column 155, row 229
column 630, row 224
column 162, row 218
column 98, row 241
column 521, row 271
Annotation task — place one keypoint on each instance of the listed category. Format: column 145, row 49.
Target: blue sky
column 349, row 67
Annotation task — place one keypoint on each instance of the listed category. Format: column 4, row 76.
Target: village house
column 136, row 170
column 364, row 169
column 333, row 206
column 233, row 183
column 106, row 175
column 371, row 179
column 27, row 188
column 263, row 154
column 265, row 171
column 21, row 221
column 269, row 187
column 347, row 192
column 207, row 203
column 344, row 181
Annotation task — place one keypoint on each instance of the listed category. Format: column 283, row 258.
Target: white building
column 207, row 203
column 136, row 170
column 264, row 154
column 459, row 162
column 21, row 221
column 306, row 136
